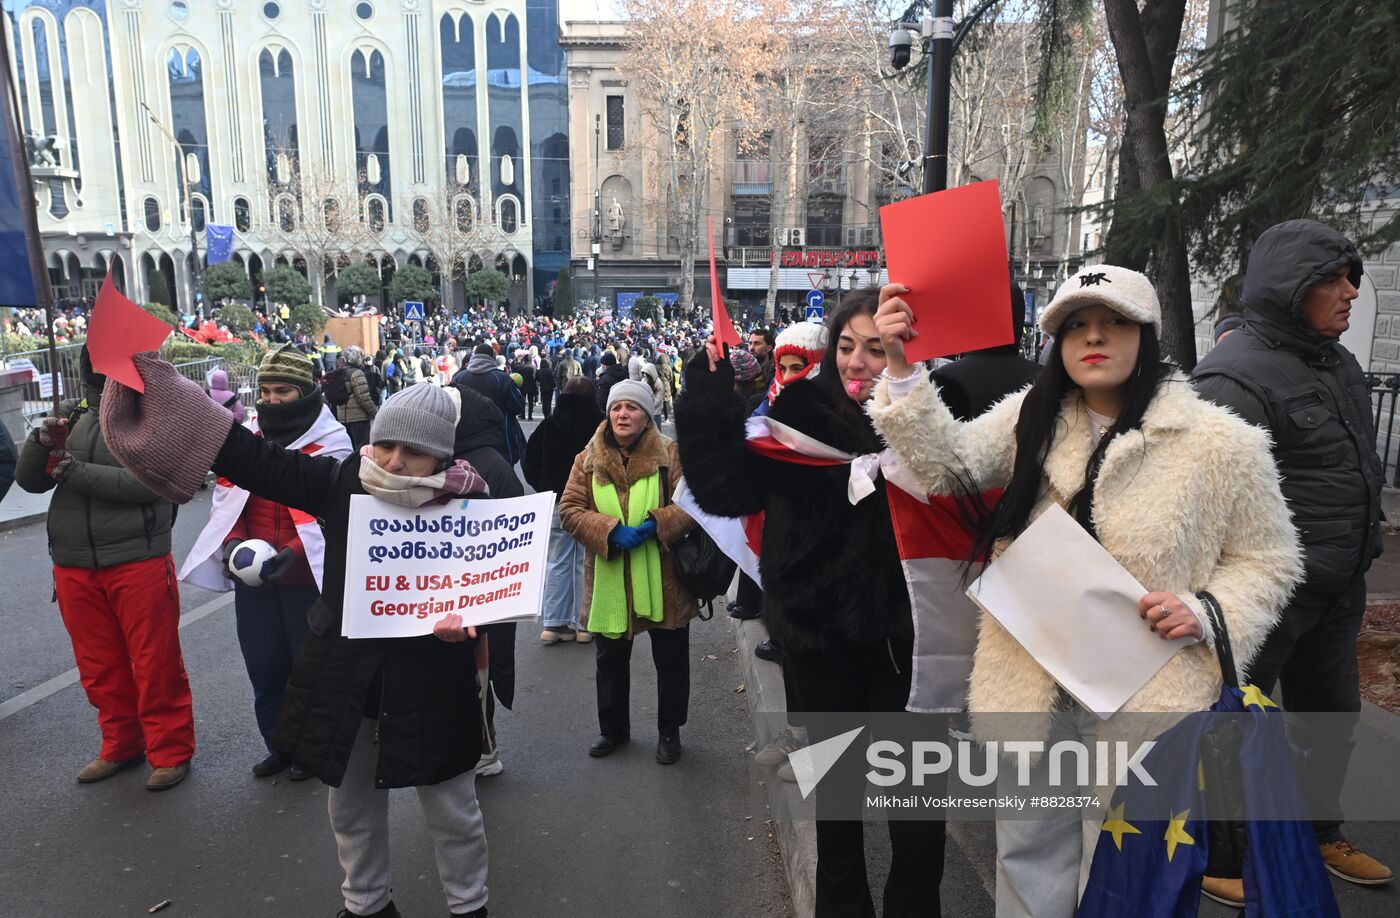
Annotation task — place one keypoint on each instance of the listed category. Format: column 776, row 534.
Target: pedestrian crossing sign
column 413, row 310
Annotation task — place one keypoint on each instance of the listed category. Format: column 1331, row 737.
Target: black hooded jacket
column 550, row 451
column 481, row 440
column 831, row 571
column 1310, row 394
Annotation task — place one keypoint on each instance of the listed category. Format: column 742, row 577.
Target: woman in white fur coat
column 1181, row 492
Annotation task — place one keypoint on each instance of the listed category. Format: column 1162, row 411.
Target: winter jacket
column 1309, row 393
column 831, row 572
column 579, row 516
column 972, row 385
column 611, row 376
column 100, row 515
column 361, row 406
column 566, row 369
column 1189, row 503
column 552, row 448
column 481, row 375
column 225, row 397
column 7, row 461
column 429, row 717
column 481, row 440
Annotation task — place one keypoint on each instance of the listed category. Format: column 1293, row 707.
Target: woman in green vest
column 618, row 504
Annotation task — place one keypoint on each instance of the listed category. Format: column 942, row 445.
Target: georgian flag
column 930, row 531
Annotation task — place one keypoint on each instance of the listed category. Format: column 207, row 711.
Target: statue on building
column 42, row 150
column 616, row 219
column 1038, row 220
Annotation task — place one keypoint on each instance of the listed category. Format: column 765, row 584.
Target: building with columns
column 325, row 132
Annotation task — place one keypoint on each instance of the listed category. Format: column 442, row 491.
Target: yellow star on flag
column 1253, row 696
column 1176, row 833
column 1116, row 826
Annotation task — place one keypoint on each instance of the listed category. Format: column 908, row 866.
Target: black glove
column 227, row 553
column 276, row 567
column 698, row 377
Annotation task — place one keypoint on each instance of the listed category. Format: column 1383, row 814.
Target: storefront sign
column 845, row 258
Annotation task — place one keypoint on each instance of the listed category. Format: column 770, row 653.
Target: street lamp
column 183, row 166
column 940, row 43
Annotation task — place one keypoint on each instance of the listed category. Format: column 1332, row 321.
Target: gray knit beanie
column 631, row 390
column 422, row 417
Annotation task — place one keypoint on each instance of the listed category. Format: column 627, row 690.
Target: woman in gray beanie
column 618, row 504
column 335, row 716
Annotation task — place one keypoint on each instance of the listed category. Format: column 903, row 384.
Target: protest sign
column 949, row 249
column 407, row 567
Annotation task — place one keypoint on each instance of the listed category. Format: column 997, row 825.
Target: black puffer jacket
column 429, row 717
column 1309, row 393
column 831, row 571
column 550, row 451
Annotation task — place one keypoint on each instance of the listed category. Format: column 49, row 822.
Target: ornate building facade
column 325, row 132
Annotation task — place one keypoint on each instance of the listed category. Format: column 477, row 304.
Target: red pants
column 123, row 622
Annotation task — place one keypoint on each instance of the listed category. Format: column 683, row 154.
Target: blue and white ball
column 247, row 559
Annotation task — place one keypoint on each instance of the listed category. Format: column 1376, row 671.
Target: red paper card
column 118, row 329
column 724, row 328
column 949, row 249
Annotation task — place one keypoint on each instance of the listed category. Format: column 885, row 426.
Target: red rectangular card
column 724, row 328
column 949, row 249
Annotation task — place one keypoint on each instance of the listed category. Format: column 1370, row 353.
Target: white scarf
column 457, row 479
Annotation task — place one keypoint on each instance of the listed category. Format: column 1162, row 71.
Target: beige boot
column 99, row 769
column 1225, row 891
column 1352, row 864
column 166, row 778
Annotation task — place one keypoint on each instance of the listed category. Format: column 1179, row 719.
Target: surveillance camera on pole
column 901, row 47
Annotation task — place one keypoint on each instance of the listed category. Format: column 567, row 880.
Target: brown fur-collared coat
column 580, row 518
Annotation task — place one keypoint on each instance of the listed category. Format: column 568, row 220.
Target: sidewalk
column 20, row 507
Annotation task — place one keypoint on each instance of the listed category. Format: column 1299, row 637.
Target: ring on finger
column 1165, row 612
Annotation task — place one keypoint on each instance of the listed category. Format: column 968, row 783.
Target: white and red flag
column 934, row 541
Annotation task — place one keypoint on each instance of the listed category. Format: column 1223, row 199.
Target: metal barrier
column 38, row 397
column 1385, row 392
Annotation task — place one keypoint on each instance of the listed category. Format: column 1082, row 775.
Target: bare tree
column 321, row 217
column 696, row 65
column 448, row 225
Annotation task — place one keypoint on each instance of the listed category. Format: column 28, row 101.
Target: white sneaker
column 583, row 637
column 555, row 635
column 490, row 764
column 777, row 751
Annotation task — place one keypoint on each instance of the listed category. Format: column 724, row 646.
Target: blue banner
column 220, row 239
column 16, row 274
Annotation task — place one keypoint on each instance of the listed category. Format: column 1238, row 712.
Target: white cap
column 1121, row 289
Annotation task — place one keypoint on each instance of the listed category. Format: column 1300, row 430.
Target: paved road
column 569, row 835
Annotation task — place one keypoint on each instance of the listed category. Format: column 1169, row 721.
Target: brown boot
column 1352, row 864
column 99, row 769
column 166, row 778
column 1225, row 891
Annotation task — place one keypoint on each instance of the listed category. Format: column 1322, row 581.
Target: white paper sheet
column 1073, row 607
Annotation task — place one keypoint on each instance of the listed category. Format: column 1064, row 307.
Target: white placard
column 405, row 567
column 1074, row 608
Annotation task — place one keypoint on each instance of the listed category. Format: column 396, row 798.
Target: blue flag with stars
column 1155, row 842
column 220, row 239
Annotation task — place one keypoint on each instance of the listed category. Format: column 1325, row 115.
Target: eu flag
column 220, row 240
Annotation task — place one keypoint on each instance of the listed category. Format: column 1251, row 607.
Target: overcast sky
column 589, row 10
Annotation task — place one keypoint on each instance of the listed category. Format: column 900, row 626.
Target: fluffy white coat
column 1190, row 502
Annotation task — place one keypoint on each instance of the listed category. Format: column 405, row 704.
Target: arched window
column 510, row 219
column 457, row 44
column 369, row 95
column 375, row 214
column 503, row 93
column 330, row 211
column 198, row 211
column 152, row 207
column 466, row 213
column 286, row 213
column 185, row 80
column 242, row 215
column 278, row 85
column 422, row 219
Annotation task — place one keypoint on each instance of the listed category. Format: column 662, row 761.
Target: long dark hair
column 860, row 302
column 1036, row 429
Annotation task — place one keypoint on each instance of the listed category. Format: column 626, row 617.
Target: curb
column 797, row 843
column 17, row 521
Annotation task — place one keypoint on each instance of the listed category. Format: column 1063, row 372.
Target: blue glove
column 625, row 538
column 647, row 531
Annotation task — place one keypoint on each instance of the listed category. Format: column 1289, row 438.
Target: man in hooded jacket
column 1286, row 372
column 483, row 376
